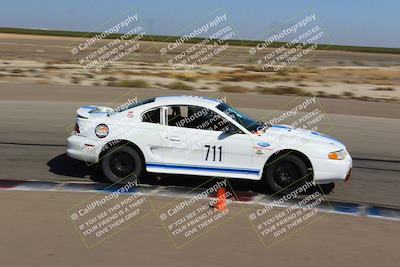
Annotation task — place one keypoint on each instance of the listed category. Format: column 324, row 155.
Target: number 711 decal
column 214, row 151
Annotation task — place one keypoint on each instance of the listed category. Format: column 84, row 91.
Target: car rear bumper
column 81, row 148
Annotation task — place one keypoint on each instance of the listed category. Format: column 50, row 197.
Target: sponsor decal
column 263, row 144
column 261, row 147
column 130, row 114
column 101, row 130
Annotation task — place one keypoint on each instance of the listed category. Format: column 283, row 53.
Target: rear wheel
column 286, row 173
column 123, row 164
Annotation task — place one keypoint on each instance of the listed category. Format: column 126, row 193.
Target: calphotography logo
column 104, row 49
column 203, row 44
column 299, row 38
column 283, row 215
column 104, row 215
column 93, row 121
column 189, row 218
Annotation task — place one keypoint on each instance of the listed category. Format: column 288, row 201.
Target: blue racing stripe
column 280, row 126
column 327, row 136
column 202, row 168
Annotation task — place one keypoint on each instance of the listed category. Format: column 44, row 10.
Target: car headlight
column 337, row 155
column 101, row 130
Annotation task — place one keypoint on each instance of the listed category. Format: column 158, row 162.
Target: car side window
column 196, row 117
column 152, row 116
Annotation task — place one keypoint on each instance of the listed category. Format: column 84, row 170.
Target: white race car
column 202, row 136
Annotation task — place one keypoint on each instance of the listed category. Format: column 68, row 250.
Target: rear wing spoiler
column 86, row 112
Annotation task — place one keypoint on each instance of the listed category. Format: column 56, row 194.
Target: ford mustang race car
column 202, row 136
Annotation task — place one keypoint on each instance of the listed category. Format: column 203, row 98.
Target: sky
column 348, row 22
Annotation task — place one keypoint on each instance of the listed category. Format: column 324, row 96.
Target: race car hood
column 285, row 135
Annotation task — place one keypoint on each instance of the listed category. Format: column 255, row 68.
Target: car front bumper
column 328, row 171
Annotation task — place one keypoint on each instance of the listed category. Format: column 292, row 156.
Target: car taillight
column 77, row 128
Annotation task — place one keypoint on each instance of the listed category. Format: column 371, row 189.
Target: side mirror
column 232, row 129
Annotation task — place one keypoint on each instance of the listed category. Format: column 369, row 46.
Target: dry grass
column 389, row 89
column 189, row 77
column 129, row 83
column 178, row 85
column 302, row 84
column 236, row 76
column 283, row 90
column 348, row 94
column 233, row 89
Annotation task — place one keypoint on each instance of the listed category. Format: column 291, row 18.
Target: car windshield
column 244, row 120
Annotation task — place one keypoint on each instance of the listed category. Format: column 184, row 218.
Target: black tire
column 122, row 164
column 285, row 174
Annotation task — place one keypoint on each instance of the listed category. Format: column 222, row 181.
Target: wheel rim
column 286, row 173
column 122, row 164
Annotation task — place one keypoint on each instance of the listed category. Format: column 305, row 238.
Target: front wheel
column 286, row 173
column 122, row 164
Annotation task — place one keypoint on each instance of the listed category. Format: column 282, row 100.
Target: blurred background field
column 347, row 72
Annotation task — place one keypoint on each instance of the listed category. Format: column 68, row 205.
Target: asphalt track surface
column 35, row 120
column 37, row 232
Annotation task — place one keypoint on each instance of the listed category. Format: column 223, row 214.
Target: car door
column 149, row 135
column 196, row 141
